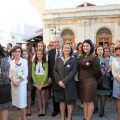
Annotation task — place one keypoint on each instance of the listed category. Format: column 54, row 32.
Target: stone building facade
column 101, row 24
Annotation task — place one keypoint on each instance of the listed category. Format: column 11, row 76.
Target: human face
column 66, row 49
column 51, row 46
column 57, row 44
column 99, row 51
column 17, row 53
column 112, row 47
column 80, row 47
column 40, row 46
column 117, row 51
column 86, row 48
column 106, row 52
column 39, row 55
column 25, row 55
column 33, row 50
column 8, row 47
column 118, row 42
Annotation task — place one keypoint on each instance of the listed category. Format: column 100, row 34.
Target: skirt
column 68, row 102
column 5, row 97
column 87, row 89
column 19, row 96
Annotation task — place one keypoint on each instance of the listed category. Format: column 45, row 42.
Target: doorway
column 68, row 35
column 103, row 36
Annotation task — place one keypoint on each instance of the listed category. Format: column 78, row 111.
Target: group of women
column 87, row 68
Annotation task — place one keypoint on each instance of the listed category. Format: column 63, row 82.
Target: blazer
column 66, row 72
column 51, row 62
column 89, row 67
column 116, row 67
column 21, row 67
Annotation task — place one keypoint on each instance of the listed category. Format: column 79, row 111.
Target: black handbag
column 104, row 83
column 57, row 87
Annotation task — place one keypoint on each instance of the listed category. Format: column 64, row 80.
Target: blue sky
column 56, row 4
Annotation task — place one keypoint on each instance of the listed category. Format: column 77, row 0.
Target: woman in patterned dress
column 5, row 88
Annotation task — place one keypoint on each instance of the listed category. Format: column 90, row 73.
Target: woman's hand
column 36, row 85
column 76, row 78
column 61, row 84
column 110, row 69
column 103, row 72
column 49, row 80
column 15, row 84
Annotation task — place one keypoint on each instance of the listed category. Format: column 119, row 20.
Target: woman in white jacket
column 116, row 74
column 18, row 76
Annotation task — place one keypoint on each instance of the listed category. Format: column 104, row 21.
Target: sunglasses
column 50, row 45
column 117, row 48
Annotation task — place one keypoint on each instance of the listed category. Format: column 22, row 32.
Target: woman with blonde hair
column 116, row 75
column 64, row 71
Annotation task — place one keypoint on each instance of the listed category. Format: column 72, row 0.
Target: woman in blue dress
column 116, row 75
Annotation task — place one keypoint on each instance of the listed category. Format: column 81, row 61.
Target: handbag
column 104, row 83
column 57, row 87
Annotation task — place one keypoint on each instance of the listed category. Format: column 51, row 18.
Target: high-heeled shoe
column 95, row 110
column 39, row 115
column 101, row 114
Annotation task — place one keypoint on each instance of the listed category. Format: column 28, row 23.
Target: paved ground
column 110, row 112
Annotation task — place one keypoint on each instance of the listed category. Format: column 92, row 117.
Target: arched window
column 68, row 35
column 104, row 31
column 67, row 32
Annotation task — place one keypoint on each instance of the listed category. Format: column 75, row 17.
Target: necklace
column 39, row 67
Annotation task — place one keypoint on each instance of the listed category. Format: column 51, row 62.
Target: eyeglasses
column 50, row 45
column 117, row 48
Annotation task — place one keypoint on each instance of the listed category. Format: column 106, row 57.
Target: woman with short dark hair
column 102, row 94
column 5, row 88
column 18, row 76
column 89, row 74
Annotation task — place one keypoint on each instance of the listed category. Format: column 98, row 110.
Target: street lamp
column 55, row 31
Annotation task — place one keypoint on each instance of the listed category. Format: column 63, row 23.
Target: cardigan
column 43, row 78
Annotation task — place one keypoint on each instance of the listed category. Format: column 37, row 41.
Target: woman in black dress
column 5, row 87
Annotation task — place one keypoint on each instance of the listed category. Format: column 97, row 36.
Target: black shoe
column 101, row 114
column 54, row 114
column 39, row 115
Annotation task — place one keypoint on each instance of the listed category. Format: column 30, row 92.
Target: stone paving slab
column 110, row 112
